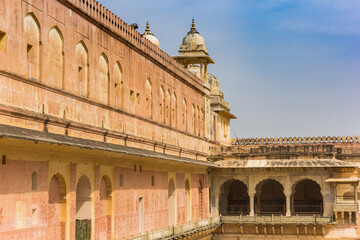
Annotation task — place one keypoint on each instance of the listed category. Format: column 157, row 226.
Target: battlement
column 295, row 140
column 104, row 16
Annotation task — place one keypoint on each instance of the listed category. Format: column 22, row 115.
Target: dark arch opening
column 235, row 198
column 307, row 198
column 270, row 197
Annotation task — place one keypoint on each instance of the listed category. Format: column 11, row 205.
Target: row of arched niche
column 108, row 87
column 306, row 198
column 58, row 211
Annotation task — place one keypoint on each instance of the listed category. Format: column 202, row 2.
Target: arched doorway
column 187, row 201
column 104, row 219
column 57, row 208
column 307, row 198
column 83, row 209
column 234, row 198
column 171, row 203
column 270, row 198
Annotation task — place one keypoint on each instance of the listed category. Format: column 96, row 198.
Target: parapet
column 295, row 140
column 105, row 17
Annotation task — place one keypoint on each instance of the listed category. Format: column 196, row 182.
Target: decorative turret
column 193, row 51
column 149, row 36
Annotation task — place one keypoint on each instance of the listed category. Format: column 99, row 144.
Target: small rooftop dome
column 149, row 36
column 193, row 41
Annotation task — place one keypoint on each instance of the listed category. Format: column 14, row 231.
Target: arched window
column 56, row 58
column 168, row 107
column 184, row 115
column 34, row 181
column 162, row 104
column 82, row 61
column 103, row 79
column 116, row 86
column 148, row 99
column 174, row 110
column 32, row 41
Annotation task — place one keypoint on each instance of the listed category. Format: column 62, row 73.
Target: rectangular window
column 121, row 180
column 138, row 98
column 152, row 181
column 3, row 161
column 132, row 96
column 134, row 168
column 3, row 39
column 34, row 216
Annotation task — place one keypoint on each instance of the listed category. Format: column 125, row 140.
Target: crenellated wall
column 295, row 140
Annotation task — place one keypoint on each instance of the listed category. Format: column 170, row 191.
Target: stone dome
column 193, row 41
column 149, row 36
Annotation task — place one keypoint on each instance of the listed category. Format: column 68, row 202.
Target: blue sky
column 287, row 67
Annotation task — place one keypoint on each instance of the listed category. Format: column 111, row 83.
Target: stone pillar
column 251, row 192
column 252, row 212
column 206, row 79
column 201, row 71
column 216, row 211
column 287, row 192
column 288, row 211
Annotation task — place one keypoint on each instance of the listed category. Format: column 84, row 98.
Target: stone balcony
column 200, row 228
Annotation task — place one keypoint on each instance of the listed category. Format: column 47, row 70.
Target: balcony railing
column 277, row 219
column 308, row 208
column 346, row 200
column 272, row 208
column 237, row 209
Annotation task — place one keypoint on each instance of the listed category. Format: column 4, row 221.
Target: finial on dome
column 193, row 28
column 147, row 27
column 149, row 36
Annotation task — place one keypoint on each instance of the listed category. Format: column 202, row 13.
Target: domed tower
column 193, row 51
column 149, row 36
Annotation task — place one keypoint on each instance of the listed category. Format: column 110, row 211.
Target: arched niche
column 187, row 201
column 117, row 86
column 55, row 58
column 32, row 38
column 148, row 98
column 103, row 79
column 82, row 62
column 57, row 207
column 171, row 203
column 105, row 208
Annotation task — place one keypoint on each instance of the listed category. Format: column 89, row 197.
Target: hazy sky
column 287, row 67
